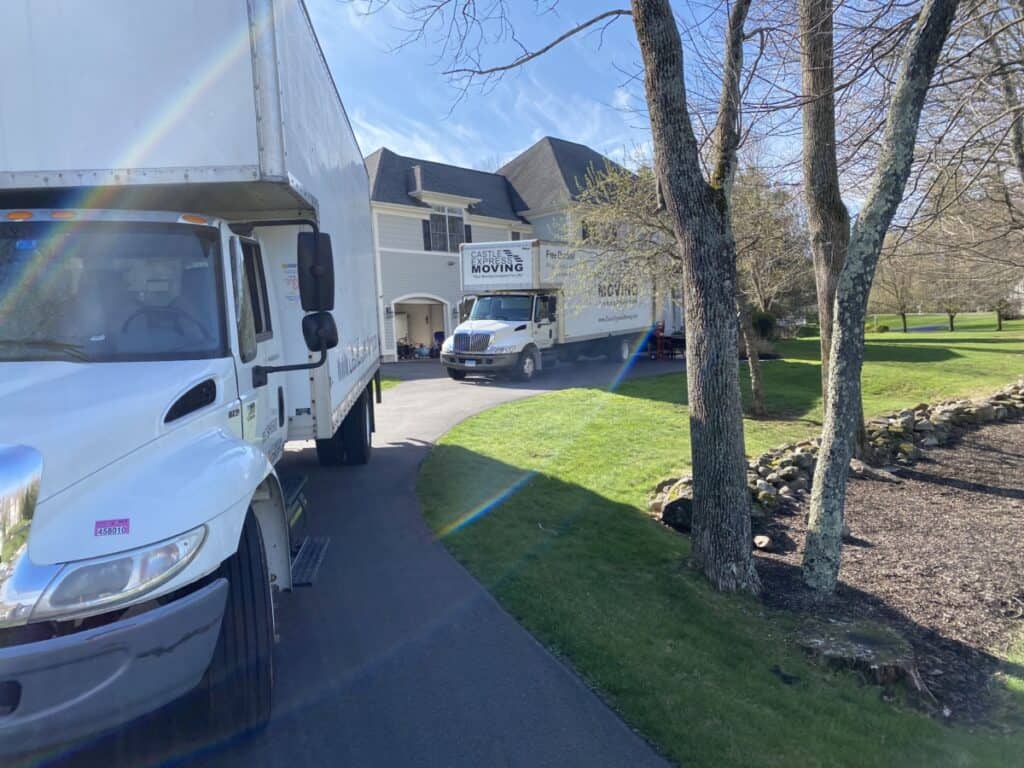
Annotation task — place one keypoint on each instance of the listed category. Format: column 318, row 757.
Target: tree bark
column 699, row 212
column 920, row 56
column 757, row 407
column 828, row 220
column 903, row 319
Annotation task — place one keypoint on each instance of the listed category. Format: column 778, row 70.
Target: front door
column 263, row 407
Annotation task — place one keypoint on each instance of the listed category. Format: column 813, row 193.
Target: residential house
column 423, row 211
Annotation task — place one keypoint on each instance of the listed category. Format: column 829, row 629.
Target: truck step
column 306, row 564
column 295, row 502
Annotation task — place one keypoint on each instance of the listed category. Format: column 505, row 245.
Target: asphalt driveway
column 397, row 656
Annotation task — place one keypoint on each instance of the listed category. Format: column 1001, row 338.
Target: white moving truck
column 187, row 283
column 535, row 302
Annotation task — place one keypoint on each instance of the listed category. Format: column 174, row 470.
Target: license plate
column 470, row 363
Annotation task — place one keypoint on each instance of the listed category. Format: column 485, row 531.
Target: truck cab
column 502, row 326
column 144, row 409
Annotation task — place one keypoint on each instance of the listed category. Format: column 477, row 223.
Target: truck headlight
column 88, row 587
column 501, row 350
column 446, row 346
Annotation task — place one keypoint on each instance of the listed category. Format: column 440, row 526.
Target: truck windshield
column 101, row 291
column 502, row 308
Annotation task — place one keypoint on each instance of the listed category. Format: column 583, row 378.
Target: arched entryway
column 420, row 324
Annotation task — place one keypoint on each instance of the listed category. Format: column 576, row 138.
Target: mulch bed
column 939, row 557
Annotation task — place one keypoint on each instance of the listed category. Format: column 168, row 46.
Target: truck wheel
column 620, row 351
column 237, row 686
column 455, row 373
column 357, row 432
column 526, row 367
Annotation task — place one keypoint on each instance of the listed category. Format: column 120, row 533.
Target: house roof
column 551, row 173
column 398, row 179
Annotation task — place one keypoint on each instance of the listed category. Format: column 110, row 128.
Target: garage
column 419, row 327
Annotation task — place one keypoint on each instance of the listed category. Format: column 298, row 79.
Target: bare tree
column 896, row 285
column 699, row 212
column 842, row 405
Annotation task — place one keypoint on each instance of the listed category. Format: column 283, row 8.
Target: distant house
column 424, row 210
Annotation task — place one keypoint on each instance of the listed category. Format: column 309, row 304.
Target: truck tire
column 237, row 686
column 526, row 366
column 357, row 432
column 456, row 374
column 620, row 350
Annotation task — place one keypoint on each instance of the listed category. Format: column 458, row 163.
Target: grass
column 968, row 321
column 543, row 500
column 387, row 383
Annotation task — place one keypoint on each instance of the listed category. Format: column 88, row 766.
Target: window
column 544, row 310
column 446, row 229
column 516, row 235
column 256, row 281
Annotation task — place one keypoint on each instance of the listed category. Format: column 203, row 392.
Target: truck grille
column 471, row 342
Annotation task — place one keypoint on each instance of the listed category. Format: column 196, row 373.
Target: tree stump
column 880, row 655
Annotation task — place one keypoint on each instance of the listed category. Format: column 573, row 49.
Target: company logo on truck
column 496, row 261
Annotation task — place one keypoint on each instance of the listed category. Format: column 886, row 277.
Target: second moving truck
column 186, row 284
column 537, row 302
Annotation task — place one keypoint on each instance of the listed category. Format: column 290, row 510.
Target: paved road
column 397, row 656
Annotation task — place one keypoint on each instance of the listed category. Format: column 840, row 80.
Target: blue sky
column 401, row 99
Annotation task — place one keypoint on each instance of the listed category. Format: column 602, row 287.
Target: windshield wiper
column 72, row 350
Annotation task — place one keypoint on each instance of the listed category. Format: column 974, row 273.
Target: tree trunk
column 999, row 320
column 757, row 408
column 903, row 319
column 950, row 316
column 828, row 220
column 825, row 524
column 721, row 520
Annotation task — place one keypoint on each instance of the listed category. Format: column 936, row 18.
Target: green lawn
column 543, row 501
column 386, row 383
column 968, row 321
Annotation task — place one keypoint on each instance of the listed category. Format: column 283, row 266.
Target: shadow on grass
column 600, row 583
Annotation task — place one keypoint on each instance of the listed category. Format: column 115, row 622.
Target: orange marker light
column 19, row 215
column 191, row 218
column 62, row 215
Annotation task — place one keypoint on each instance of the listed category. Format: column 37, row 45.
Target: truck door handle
column 280, row 406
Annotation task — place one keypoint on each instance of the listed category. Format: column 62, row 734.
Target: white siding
column 482, row 234
column 401, row 232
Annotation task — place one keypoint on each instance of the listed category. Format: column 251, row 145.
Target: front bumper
column 75, row 685
column 474, row 362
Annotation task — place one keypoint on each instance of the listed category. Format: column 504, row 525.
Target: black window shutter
column 469, row 234
column 515, row 235
column 426, row 234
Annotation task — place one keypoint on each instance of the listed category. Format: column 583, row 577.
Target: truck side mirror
column 320, row 331
column 316, row 272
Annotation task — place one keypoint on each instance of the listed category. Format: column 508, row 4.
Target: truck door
column 544, row 321
column 263, row 408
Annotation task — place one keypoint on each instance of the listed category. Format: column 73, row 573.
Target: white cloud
column 622, row 99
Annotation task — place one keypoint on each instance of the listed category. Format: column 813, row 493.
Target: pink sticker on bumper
column 120, row 527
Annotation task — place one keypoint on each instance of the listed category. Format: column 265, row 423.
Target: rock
column 785, row 491
column 678, row 514
column 765, row 487
column 769, row 501
column 909, row 451
column 757, row 512
column 804, row 460
column 860, row 469
column 762, row 542
column 665, row 484
column 799, row 484
column 924, row 426
column 985, row 413
column 763, row 471
column 930, row 442
column 1000, row 412
column 789, row 473
column 656, row 504
column 879, row 654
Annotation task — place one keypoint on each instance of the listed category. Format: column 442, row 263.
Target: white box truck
column 187, row 283
column 534, row 302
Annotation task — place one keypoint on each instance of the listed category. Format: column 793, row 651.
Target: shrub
column 764, row 323
column 882, row 328
column 808, row 331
